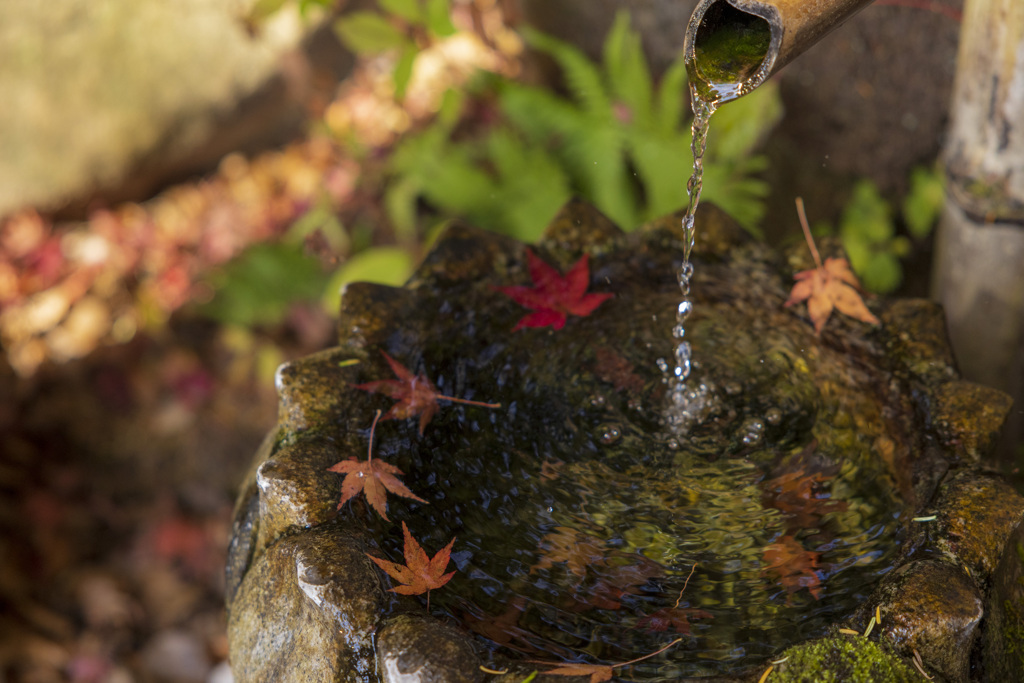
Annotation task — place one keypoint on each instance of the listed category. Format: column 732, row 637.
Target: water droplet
column 678, row 332
column 773, row 416
column 662, row 365
column 753, row 432
column 551, row 509
column 685, row 273
column 611, row 435
column 683, row 353
column 683, row 310
column 597, row 400
column 673, row 444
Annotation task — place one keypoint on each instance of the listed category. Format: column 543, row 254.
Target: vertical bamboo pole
column 979, row 265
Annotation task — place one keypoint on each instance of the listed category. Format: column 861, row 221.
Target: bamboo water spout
column 733, row 46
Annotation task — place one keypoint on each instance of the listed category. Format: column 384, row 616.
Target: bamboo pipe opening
column 733, row 46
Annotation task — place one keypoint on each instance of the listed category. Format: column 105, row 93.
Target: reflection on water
column 580, row 516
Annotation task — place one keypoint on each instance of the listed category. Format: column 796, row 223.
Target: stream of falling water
column 689, row 403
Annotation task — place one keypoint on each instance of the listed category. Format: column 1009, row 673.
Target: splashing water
column 688, row 404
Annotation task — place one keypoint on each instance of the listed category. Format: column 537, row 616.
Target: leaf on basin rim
column 833, row 286
column 828, row 287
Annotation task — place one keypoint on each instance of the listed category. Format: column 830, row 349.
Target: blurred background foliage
column 437, row 123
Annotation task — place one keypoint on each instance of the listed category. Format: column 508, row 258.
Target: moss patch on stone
column 842, row 658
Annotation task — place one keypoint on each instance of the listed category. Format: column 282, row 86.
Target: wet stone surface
column 587, row 528
column 1004, row 635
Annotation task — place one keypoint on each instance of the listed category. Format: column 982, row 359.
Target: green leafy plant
column 618, row 141
column 499, row 182
column 924, row 201
column 868, row 228
column 869, row 237
column 260, row 285
column 406, row 27
column 624, row 143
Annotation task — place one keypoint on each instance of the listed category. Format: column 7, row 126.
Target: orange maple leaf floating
column 597, row 672
column 827, row 287
column 420, row 574
column 793, row 566
column 416, row 395
column 553, row 297
column 373, row 477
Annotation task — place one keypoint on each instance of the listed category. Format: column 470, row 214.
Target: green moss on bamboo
column 731, row 56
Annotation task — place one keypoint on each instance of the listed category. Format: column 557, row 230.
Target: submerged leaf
column 576, row 549
column 793, row 566
column 674, row 618
column 598, row 672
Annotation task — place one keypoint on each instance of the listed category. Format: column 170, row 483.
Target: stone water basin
column 587, row 528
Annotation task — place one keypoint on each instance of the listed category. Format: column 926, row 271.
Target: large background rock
column 109, row 99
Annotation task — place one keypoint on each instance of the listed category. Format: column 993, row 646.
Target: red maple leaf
column 552, row 296
column 793, row 566
column 416, row 395
column 827, row 287
column 420, row 574
column 373, row 477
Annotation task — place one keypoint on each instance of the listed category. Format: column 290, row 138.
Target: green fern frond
column 668, row 112
column 629, row 79
column 531, row 184
column 663, row 163
column 738, row 127
column 540, row 114
column 740, row 195
column 581, row 76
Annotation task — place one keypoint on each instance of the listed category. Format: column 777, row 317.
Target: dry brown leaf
column 828, row 287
